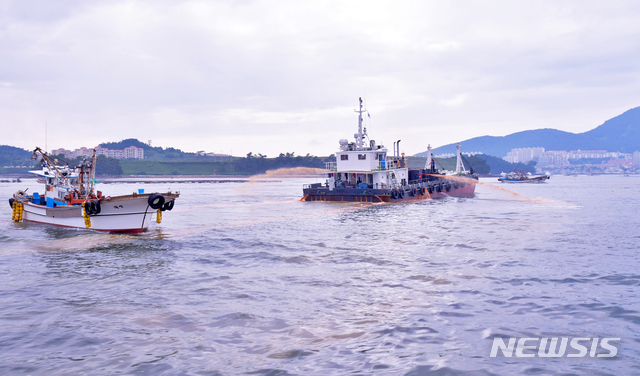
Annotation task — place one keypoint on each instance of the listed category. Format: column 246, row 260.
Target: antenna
column 360, row 135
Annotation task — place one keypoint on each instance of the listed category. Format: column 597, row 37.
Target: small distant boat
column 70, row 200
column 520, row 176
column 368, row 173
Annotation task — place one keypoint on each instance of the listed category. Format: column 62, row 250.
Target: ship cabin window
column 49, row 181
column 362, row 157
column 344, row 157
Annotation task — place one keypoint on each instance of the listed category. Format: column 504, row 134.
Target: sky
column 285, row 76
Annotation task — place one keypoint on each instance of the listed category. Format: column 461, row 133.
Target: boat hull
column 122, row 214
column 517, row 181
column 438, row 189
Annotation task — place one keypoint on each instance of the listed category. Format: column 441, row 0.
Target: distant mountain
column 622, row 134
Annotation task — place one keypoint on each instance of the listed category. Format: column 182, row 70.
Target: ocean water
column 246, row 279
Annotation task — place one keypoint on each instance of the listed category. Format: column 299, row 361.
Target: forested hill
column 621, row 133
column 13, row 156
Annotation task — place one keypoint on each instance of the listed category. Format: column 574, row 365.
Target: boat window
column 362, row 157
column 344, row 157
column 50, row 181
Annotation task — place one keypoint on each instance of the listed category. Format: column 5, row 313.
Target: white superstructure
column 363, row 162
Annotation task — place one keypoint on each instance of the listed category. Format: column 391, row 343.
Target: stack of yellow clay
column 87, row 220
column 159, row 216
column 17, row 211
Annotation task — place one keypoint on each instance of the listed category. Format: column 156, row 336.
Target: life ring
column 11, row 201
column 168, row 205
column 422, row 191
column 156, row 200
column 439, row 187
column 414, row 191
column 401, row 192
column 95, row 207
column 430, row 189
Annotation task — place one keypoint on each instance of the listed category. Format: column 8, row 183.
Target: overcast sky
column 281, row 76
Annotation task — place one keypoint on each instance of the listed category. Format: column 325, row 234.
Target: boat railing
column 390, row 163
column 331, row 166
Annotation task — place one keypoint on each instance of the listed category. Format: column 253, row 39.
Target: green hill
column 14, row 158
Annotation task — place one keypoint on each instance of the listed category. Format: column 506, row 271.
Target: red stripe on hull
column 119, row 231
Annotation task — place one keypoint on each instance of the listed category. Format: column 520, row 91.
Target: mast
column 360, row 135
column 427, row 165
column 93, row 170
column 459, row 164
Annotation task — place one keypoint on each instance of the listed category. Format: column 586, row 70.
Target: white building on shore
column 130, row 152
column 523, row 155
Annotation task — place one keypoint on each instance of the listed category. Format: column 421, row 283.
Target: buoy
column 85, row 215
column 159, row 216
column 17, row 211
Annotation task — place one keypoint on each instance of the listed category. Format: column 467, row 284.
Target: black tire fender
column 156, row 200
column 168, row 205
column 88, row 208
column 95, row 207
column 11, row 201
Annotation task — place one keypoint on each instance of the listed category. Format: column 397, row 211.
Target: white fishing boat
column 71, row 200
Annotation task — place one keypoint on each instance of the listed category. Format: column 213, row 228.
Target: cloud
column 199, row 75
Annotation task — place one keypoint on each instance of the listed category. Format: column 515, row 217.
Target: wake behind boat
column 70, row 200
column 366, row 173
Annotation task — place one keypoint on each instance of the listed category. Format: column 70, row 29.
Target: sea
column 245, row 279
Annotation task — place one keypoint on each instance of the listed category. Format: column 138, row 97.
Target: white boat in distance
column 70, row 200
column 523, row 177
